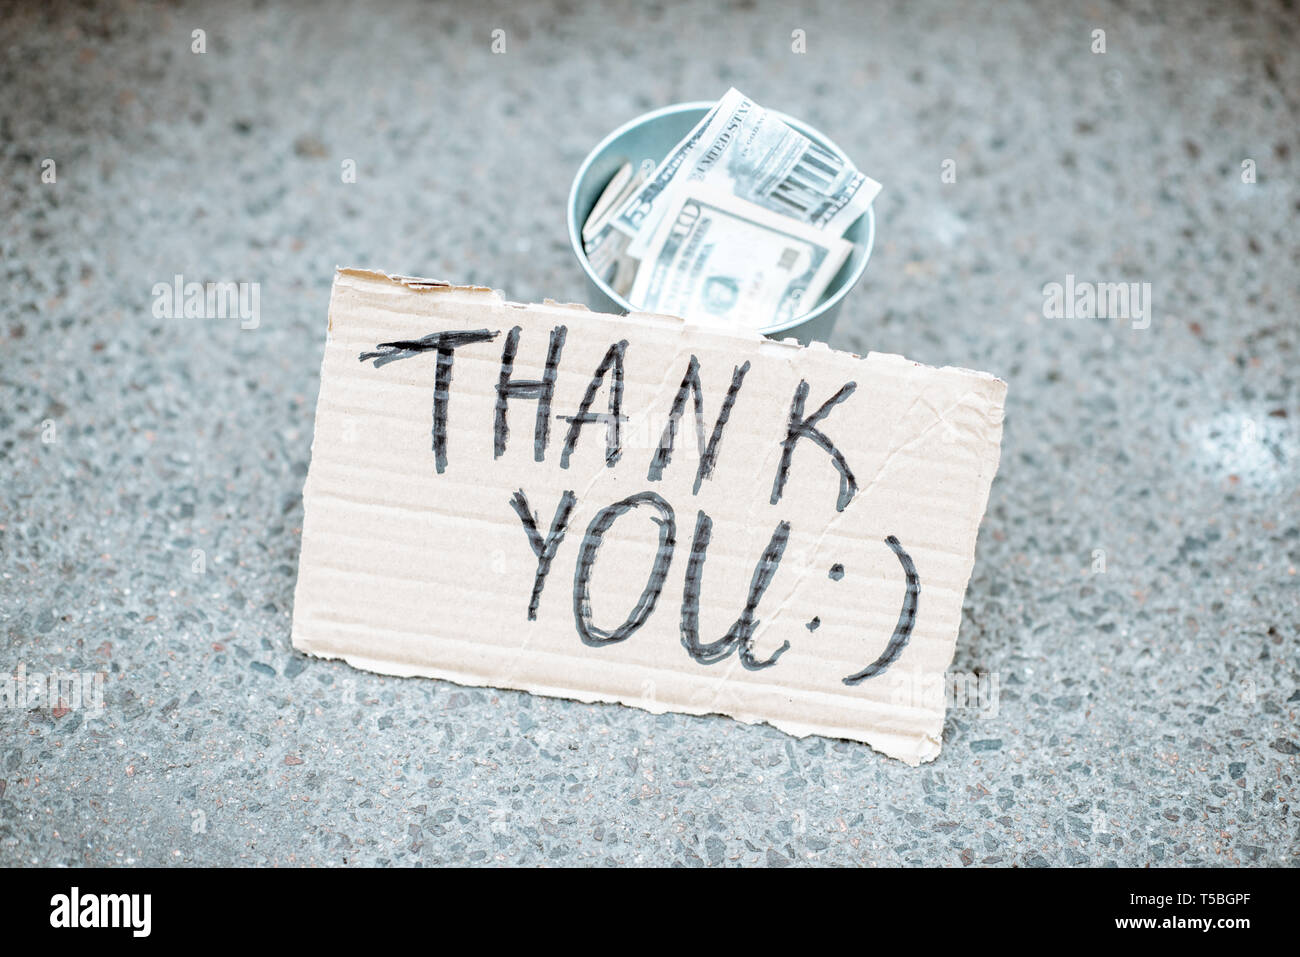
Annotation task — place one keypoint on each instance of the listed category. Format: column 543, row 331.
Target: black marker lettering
column 612, row 419
column 906, row 619
column 806, row 428
column 544, row 549
column 708, row 453
column 741, row 633
column 542, row 390
column 445, row 344
column 645, row 605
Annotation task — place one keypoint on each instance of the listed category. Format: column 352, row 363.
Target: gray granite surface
column 1135, row 591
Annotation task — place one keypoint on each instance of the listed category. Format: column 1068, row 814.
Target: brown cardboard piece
column 417, row 559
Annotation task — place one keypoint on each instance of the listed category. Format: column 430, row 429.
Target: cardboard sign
column 637, row 510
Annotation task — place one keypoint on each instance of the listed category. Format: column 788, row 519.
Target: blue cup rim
column 575, row 228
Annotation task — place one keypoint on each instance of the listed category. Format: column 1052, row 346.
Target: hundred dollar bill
column 741, row 147
column 719, row 259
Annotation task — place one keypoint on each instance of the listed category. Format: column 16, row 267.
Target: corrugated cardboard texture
column 417, row 561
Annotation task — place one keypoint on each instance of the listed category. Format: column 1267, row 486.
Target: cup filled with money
column 723, row 213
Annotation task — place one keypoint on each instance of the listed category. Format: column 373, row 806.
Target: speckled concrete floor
column 1136, row 589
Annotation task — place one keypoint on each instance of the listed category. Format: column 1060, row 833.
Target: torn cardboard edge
column 367, row 610
column 419, row 284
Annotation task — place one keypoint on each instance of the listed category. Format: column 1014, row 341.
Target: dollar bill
column 608, row 254
column 744, row 149
column 615, row 191
column 607, row 248
column 719, row 259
